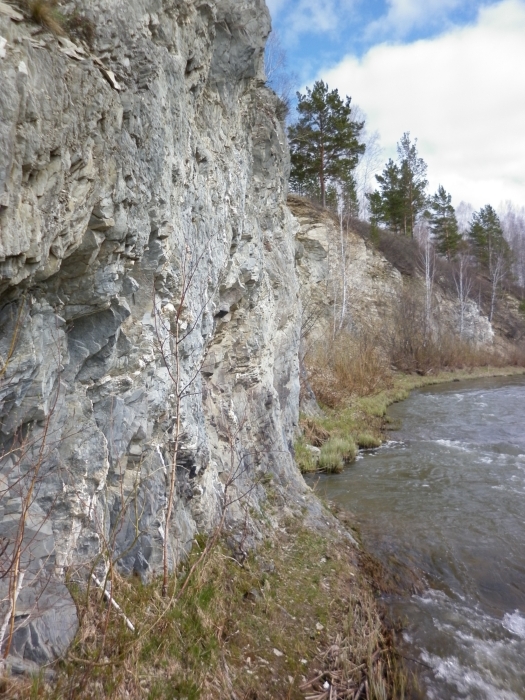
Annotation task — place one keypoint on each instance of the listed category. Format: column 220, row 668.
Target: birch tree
column 278, row 77
column 428, row 264
column 463, row 281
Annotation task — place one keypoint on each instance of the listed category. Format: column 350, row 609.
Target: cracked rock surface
column 142, row 198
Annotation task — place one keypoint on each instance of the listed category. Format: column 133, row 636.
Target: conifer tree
column 401, row 197
column 491, row 248
column 443, row 223
column 324, row 142
column 413, row 181
column 387, row 205
column 486, row 235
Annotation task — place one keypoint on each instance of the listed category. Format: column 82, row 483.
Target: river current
column 446, row 497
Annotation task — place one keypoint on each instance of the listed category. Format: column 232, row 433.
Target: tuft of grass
column 367, row 441
column 303, row 456
column 46, row 14
column 335, row 453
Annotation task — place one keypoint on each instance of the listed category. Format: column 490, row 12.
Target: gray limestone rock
column 142, row 199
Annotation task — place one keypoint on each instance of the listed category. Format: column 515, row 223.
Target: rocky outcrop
column 328, row 259
column 373, row 285
column 143, row 233
column 151, row 285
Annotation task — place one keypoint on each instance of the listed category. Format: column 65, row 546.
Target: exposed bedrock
column 142, row 190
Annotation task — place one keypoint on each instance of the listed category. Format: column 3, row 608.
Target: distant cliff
column 378, row 275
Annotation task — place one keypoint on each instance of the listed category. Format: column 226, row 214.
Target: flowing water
column 446, row 496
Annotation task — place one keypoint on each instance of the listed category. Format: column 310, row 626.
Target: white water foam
column 455, row 444
column 514, row 623
column 464, row 679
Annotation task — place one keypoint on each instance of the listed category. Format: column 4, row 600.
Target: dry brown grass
column 296, row 613
column 355, row 368
column 314, row 433
column 412, row 349
column 46, row 14
column 349, row 366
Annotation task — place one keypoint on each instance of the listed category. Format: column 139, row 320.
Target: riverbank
column 362, row 422
column 297, row 619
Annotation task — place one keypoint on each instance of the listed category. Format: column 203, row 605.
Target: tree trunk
column 321, row 177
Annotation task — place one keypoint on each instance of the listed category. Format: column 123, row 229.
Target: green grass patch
column 363, row 420
column 304, row 457
column 367, row 441
column 263, row 627
column 335, row 453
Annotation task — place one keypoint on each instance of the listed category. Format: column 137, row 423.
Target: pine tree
column 486, row 236
column 324, row 142
column 387, row 205
column 443, row 223
column 401, row 197
column 413, row 181
column 491, row 248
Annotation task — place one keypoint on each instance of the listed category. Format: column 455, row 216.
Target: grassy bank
column 361, row 421
column 297, row 619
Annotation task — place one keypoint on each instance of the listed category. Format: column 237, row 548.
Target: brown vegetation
column 293, row 620
column 351, row 365
column 45, row 13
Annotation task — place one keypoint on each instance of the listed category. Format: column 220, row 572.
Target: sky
column 450, row 72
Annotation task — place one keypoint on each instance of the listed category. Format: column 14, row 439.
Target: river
column 446, row 496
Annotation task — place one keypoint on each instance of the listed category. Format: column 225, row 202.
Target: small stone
column 277, row 652
column 319, row 627
column 110, row 77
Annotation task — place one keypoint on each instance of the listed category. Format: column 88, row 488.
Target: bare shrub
column 413, row 347
column 351, row 365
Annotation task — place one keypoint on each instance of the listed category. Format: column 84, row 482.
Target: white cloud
column 461, row 94
column 404, row 15
column 310, row 16
column 274, row 6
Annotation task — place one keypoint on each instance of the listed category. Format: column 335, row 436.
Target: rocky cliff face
column 374, row 285
column 142, row 199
